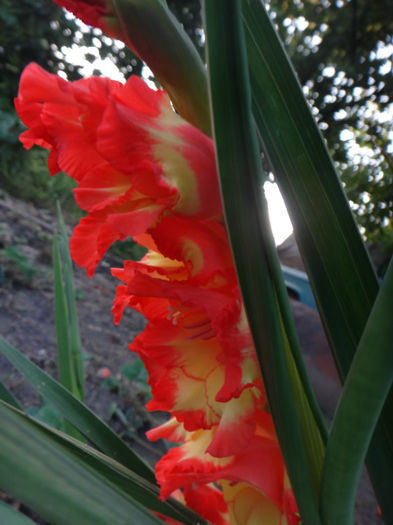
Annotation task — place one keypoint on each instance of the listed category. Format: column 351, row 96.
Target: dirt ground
column 27, row 321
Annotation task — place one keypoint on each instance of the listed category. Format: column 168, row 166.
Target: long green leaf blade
column 246, row 217
column 73, row 354
column 170, row 54
column 93, row 428
column 366, row 387
column 66, row 375
column 66, row 362
column 119, row 476
column 36, row 470
column 337, row 263
column 339, row 269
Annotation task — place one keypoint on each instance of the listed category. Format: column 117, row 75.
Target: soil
column 27, row 321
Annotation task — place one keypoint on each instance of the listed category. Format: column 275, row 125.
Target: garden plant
column 180, row 169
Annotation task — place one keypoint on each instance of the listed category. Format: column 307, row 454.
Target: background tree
column 342, row 52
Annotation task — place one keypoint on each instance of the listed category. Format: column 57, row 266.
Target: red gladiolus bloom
column 133, row 157
column 189, row 291
column 209, row 502
column 202, row 368
column 142, row 171
column 206, row 500
column 259, row 463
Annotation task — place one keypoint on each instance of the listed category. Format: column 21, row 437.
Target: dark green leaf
column 117, row 475
column 66, row 370
column 170, row 55
column 93, row 428
column 39, row 472
column 338, row 266
column 366, row 387
column 70, row 349
column 68, row 375
column 337, row 263
column 240, row 174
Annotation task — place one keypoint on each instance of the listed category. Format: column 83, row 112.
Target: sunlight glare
column 279, row 218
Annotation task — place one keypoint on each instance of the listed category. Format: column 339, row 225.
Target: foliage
column 340, row 51
column 189, row 14
column 36, row 31
column 128, row 249
column 13, row 255
column 48, row 415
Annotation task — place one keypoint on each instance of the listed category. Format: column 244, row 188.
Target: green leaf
column 338, row 266
column 39, row 472
column 170, row 54
column 123, row 479
column 66, row 362
column 135, row 372
column 52, row 417
column 68, row 374
column 247, row 221
column 71, row 373
column 10, row 516
column 366, row 387
column 336, row 261
column 93, row 428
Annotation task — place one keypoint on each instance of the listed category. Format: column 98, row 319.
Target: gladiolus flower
column 247, row 506
column 189, row 290
column 142, row 171
column 208, row 501
column 260, row 464
column 202, row 367
column 133, row 157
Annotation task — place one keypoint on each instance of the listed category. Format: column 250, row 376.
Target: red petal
column 208, row 502
column 146, row 126
column 203, row 249
column 89, row 242
column 178, row 370
column 260, row 465
column 100, row 188
column 172, row 430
